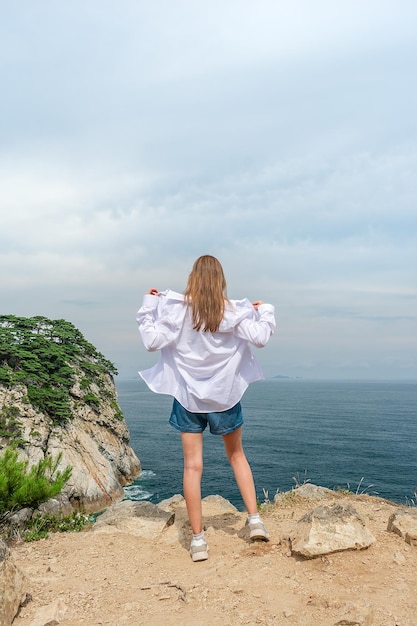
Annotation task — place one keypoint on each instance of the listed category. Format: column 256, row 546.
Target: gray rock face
column 12, row 586
column 330, row 529
column 142, row 519
column 403, row 522
column 94, row 442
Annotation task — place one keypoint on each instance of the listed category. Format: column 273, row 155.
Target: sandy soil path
column 115, row 579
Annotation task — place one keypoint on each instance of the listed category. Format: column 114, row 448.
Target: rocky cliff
column 95, row 442
column 57, row 394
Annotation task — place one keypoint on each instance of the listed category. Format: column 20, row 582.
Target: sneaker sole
column 258, row 536
column 200, row 556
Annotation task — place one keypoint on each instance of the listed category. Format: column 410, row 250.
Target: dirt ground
column 116, row 579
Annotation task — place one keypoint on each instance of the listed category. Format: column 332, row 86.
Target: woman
column 206, row 365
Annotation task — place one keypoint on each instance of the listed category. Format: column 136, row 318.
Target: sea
column 355, row 435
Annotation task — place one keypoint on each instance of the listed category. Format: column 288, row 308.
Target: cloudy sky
column 278, row 135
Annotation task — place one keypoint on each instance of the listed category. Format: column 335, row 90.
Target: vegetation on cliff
column 48, row 357
column 21, row 486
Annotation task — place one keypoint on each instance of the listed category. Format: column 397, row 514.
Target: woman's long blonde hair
column 206, row 293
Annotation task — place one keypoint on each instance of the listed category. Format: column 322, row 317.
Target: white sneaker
column 257, row 531
column 199, row 550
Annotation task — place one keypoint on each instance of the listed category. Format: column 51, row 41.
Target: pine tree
column 21, row 486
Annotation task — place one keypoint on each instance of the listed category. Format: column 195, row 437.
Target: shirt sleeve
column 159, row 325
column 259, row 328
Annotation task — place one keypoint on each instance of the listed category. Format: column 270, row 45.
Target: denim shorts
column 220, row 423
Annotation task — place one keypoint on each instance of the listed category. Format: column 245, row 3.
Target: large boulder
column 403, row 522
column 12, row 586
column 330, row 529
column 141, row 519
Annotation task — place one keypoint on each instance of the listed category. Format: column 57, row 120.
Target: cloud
column 279, row 137
column 321, row 222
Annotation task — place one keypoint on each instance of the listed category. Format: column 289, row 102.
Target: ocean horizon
column 342, row 434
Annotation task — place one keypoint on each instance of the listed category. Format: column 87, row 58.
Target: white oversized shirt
column 204, row 371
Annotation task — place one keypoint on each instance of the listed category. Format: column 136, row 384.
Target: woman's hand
column 257, row 303
column 153, row 292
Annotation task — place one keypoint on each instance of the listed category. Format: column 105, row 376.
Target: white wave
column 146, row 474
column 139, row 490
column 136, row 492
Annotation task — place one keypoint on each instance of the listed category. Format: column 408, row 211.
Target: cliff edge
column 57, row 395
column 137, row 571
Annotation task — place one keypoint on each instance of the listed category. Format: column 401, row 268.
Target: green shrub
column 41, row 524
column 85, row 383
column 92, row 401
column 118, row 415
column 21, row 486
column 9, row 423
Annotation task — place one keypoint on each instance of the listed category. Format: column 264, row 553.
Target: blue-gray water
column 333, row 433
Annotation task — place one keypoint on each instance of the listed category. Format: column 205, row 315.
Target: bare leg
column 192, row 445
column 241, row 469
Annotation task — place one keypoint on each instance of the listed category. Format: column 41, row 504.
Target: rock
column 355, row 615
column 51, row 614
column 20, row 518
column 141, row 519
column 95, row 442
column 59, row 505
column 308, row 491
column 330, row 529
column 170, row 504
column 403, row 522
column 218, row 505
column 212, row 505
column 13, row 586
column 313, row 492
column 399, row 558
